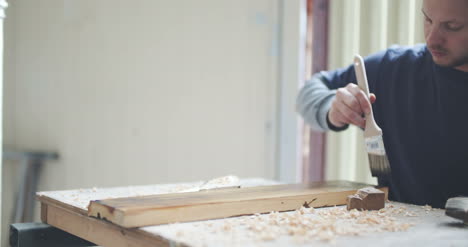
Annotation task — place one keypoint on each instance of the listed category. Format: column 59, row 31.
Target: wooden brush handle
column 372, row 129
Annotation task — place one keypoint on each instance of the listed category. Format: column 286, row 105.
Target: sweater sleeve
column 313, row 103
column 315, row 98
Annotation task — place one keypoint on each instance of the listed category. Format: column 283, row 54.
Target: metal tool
column 457, row 208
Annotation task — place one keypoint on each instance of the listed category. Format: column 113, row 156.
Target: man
column 421, row 104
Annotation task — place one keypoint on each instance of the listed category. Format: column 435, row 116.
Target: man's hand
column 350, row 106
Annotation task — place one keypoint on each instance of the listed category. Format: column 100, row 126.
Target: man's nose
column 434, row 37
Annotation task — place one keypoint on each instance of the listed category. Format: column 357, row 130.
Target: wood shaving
column 410, row 214
column 428, row 208
column 308, row 224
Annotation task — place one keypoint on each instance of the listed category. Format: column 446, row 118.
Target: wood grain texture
column 100, row 232
column 183, row 207
column 67, row 211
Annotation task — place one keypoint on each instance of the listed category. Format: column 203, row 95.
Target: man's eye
column 454, row 27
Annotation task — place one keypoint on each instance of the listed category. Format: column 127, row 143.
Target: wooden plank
column 68, row 212
column 183, row 207
column 100, row 232
column 43, row 212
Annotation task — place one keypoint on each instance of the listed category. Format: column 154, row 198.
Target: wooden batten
column 203, row 205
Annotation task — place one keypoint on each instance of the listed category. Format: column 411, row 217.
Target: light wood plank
column 183, row 207
column 66, row 210
column 100, row 232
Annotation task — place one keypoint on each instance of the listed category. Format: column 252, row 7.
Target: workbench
column 397, row 225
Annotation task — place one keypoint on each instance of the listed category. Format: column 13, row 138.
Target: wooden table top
column 397, row 225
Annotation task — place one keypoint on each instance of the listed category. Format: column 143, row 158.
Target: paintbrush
column 373, row 137
column 457, row 207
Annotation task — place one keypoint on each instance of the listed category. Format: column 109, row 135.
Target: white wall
column 142, row 92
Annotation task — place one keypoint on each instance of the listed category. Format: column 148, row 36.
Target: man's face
column 446, row 32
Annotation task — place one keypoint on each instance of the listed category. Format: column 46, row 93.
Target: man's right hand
column 350, row 106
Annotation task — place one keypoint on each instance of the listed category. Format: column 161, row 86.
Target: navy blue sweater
column 422, row 109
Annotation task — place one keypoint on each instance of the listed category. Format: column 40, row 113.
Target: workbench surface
column 397, row 225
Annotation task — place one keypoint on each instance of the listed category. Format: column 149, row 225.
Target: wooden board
column 97, row 231
column 203, row 205
column 67, row 210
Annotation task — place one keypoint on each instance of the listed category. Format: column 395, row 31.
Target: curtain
column 364, row 27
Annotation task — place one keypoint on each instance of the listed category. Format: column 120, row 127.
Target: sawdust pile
column 307, row 224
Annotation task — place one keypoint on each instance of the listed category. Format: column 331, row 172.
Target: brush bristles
column 379, row 165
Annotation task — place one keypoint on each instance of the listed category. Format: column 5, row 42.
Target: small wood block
column 203, row 205
column 368, row 198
